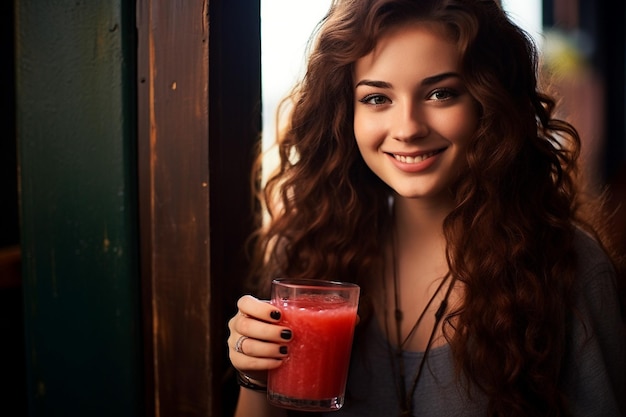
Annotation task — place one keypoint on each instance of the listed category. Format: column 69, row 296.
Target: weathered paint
column 76, row 139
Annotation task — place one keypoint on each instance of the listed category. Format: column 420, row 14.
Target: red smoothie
column 319, row 353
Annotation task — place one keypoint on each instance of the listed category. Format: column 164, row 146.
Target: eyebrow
column 425, row 82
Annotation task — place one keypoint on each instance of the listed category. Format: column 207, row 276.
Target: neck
column 419, row 223
column 416, row 266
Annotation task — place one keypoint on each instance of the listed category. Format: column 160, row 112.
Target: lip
column 413, row 162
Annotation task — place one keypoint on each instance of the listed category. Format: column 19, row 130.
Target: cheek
column 461, row 127
column 366, row 131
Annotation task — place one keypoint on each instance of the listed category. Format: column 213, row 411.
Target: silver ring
column 238, row 344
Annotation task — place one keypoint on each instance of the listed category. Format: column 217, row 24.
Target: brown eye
column 374, row 99
column 442, row 94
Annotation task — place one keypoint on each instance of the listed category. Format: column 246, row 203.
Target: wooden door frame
column 198, row 121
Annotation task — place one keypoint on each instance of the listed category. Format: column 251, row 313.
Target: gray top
column 594, row 369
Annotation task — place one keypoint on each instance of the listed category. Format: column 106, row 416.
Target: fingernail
column 283, row 350
column 286, row 334
column 275, row 315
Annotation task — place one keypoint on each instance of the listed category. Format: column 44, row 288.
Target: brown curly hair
column 510, row 235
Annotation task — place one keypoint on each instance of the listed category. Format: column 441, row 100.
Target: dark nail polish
column 275, row 315
column 283, row 350
column 286, row 334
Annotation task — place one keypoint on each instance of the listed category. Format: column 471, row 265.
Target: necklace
column 405, row 397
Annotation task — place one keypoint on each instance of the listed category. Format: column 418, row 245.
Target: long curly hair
column 510, row 235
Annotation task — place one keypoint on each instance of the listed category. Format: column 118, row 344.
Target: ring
column 238, row 344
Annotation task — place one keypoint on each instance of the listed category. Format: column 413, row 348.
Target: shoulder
column 596, row 294
column 594, row 374
column 589, row 250
column 593, row 265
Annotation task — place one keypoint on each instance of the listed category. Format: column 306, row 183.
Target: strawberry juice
column 313, row 376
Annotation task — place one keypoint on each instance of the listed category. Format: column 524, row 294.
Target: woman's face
column 413, row 116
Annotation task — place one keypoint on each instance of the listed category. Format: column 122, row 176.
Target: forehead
column 427, row 44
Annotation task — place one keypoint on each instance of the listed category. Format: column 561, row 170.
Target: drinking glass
column 322, row 316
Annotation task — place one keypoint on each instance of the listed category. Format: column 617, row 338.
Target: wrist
column 247, row 382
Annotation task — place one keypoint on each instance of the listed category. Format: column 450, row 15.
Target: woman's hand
column 257, row 342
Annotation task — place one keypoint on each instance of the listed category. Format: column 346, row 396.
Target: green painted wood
column 76, row 142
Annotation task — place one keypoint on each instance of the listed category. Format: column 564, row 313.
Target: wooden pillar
column 174, row 204
column 199, row 112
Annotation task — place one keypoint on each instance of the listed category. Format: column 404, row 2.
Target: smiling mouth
column 406, row 159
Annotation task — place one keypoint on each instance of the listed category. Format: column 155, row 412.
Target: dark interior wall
column 9, row 224
column 234, row 125
column 605, row 21
column 12, row 375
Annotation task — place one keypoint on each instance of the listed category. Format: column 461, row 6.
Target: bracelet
column 245, row 381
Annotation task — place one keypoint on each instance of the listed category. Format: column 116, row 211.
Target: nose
column 409, row 123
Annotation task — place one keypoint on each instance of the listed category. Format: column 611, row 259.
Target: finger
column 265, row 346
column 260, row 349
column 257, row 329
column 261, row 310
column 254, row 367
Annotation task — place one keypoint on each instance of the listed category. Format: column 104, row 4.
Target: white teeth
column 413, row 159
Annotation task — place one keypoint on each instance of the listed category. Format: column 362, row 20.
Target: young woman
column 422, row 162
